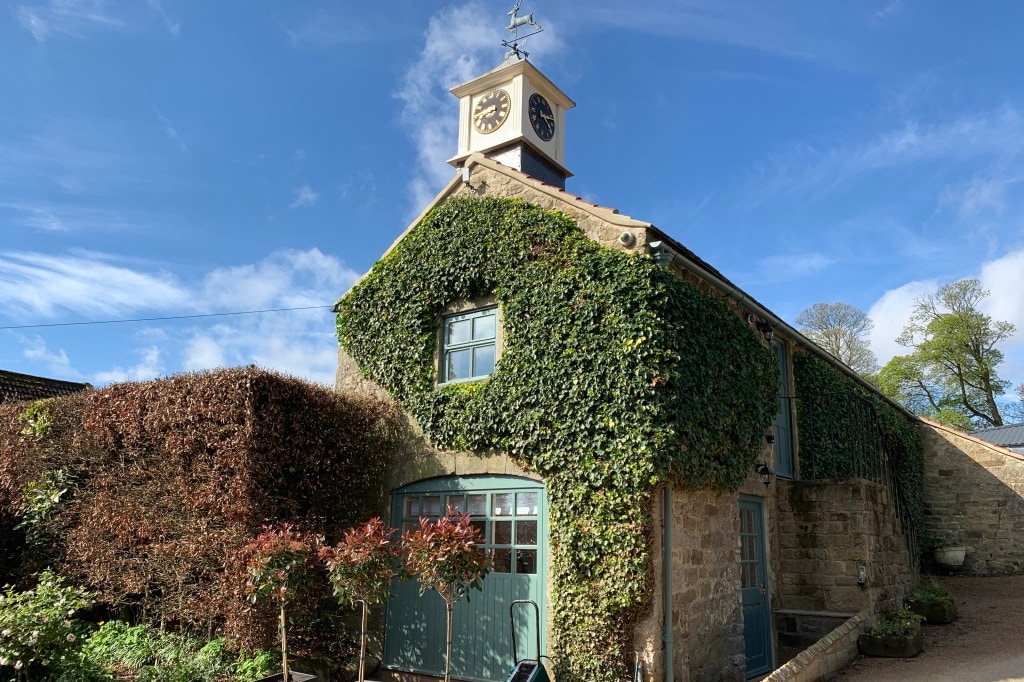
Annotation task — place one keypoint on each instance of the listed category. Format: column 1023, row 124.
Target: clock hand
column 549, row 118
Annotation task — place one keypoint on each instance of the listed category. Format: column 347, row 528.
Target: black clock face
column 491, row 110
column 541, row 116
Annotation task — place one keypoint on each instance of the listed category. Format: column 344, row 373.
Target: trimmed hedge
column 146, row 492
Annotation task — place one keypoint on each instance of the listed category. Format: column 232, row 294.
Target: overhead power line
column 161, row 319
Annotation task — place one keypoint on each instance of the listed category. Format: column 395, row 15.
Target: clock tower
column 515, row 115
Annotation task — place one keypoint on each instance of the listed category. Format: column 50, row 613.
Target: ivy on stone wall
column 616, row 377
column 831, row 436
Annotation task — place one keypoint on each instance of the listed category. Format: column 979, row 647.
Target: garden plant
column 361, row 568
column 279, row 561
column 443, row 556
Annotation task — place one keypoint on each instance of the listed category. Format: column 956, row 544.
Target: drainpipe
column 666, row 583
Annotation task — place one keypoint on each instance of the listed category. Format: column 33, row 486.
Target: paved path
column 985, row 644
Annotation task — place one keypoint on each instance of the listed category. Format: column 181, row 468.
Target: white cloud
column 171, row 131
column 172, row 26
column 890, row 314
column 70, row 17
column 890, row 9
column 57, row 362
column 996, row 137
column 149, row 366
column 305, row 196
column 202, row 352
column 321, row 30
column 299, row 342
column 460, row 43
column 1003, row 278
column 84, row 283
column 977, row 197
column 785, row 267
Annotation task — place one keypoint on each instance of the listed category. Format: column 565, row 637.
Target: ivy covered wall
column 837, row 439
column 616, row 377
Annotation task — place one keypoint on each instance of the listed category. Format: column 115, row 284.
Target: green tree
column 1015, row 410
column 950, row 373
column 841, row 329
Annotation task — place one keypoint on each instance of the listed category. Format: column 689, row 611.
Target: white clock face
column 491, row 110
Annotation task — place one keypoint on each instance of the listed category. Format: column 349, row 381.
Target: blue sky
column 171, row 158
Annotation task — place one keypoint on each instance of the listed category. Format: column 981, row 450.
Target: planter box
column 902, row 646
column 936, row 613
column 950, row 555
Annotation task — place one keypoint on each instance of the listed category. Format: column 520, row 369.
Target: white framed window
column 469, row 345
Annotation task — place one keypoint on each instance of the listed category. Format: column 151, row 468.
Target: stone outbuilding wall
column 825, row 531
column 973, row 496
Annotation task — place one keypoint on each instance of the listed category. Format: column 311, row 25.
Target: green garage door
column 511, row 513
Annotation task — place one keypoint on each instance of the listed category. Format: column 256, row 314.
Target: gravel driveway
column 985, row 644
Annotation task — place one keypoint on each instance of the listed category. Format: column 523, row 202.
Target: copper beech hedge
column 165, row 481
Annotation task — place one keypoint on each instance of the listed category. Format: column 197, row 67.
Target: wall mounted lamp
column 465, row 177
column 766, row 330
column 765, row 473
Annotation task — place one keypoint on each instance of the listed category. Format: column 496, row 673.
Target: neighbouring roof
column 15, row 386
column 1010, row 436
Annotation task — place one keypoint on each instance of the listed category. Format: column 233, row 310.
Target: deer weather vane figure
column 514, row 22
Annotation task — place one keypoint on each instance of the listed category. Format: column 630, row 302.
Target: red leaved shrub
column 171, row 478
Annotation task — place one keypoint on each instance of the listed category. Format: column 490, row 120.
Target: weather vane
column 515, row 21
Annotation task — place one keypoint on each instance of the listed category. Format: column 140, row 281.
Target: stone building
column 15, row 386
column 714, row 573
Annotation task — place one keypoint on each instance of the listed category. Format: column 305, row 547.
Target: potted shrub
column 360, row 569
column 896, row 634
column 934, row 603
column 443, row 556
column 279, row 561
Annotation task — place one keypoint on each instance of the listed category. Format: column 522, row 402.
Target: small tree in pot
column 279, row 561
column 443, row 556
column 361, row 568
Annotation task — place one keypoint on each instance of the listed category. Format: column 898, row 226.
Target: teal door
column 754, row 588
column 784, row 417
column 511, row 513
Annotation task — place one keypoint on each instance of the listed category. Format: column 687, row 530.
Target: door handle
column 764, row 592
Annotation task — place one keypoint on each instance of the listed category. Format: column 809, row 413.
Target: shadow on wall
column 973, row 496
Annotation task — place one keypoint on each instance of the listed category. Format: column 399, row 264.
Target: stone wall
column 707, row 616
column 826, row 657
column 824, row 531
column 973, row 497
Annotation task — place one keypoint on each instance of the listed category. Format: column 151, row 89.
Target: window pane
column 526, row 561
column 458, row 364
column 456, row 502
column 502, row 533
column 526, row 504
column 481, row 527
column 459, row 331
column 477, row 505
column 501, row 504
column 410, row 527
column 502, row 560
column 431, row 506
column 483, row 327
column 483, row 361
column 412, row 507
column 526, row 532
